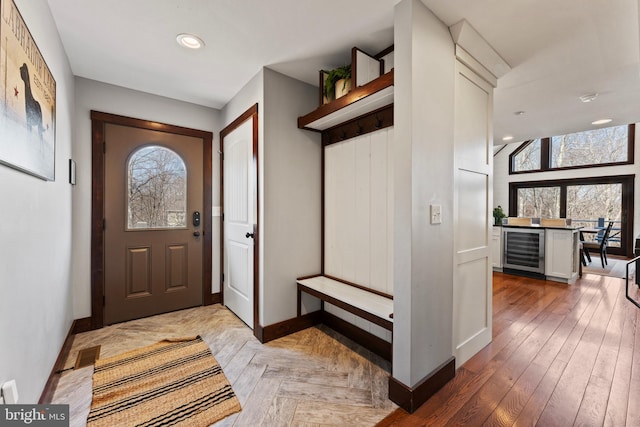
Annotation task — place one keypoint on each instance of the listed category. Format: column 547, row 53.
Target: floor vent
column 87, row 356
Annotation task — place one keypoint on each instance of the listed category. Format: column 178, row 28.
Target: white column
column 423, row 176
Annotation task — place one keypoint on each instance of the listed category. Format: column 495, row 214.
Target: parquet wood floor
column 561, row 355
column 310, row 378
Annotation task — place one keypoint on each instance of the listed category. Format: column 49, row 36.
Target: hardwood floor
column 310, row 378
column 561, row 355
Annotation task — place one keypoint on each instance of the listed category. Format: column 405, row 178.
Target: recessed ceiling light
column 588, row 97
column 519, row 113
column 602, row 122
column 507, row 138
column 189, row 41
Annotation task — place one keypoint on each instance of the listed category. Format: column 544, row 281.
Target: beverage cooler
column 523, row 249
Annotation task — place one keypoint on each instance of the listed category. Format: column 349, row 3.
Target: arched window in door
column 157, row 189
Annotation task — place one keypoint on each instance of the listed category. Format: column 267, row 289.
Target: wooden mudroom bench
column 372, row 305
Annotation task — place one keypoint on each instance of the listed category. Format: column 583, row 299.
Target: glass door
column 592, row 206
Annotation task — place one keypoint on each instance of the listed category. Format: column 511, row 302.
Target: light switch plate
column 436, row 214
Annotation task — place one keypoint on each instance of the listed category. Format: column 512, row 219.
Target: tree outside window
column 157, row 189
column 539, row 202
column 529, row 158
column 593, row 148
column 607, row 145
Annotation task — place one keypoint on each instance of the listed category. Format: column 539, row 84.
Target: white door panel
column 239, row 220
column 472, row 284
column 238, row 280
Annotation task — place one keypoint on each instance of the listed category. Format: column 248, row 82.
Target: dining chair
column 584, row 254
column 601, row 246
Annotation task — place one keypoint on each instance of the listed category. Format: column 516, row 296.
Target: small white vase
column 342, row 86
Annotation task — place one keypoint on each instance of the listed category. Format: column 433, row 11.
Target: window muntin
column 598, row 146
column 156, row 189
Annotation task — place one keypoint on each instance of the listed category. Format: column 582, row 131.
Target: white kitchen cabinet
column 496, row 248
column 562, row 254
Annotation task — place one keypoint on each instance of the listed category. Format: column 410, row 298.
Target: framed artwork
column 27, row 99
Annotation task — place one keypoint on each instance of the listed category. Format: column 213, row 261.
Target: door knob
column 196, row 233
column 249, row 235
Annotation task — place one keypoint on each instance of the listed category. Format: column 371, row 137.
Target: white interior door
column 239, row 220
column 473, row 163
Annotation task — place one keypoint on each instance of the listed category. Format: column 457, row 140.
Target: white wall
column 35, row 237
column 93, row 95
column 292, row 194
column 252, row 93
column 423, row 175
column 289, row 189
column 501, row 177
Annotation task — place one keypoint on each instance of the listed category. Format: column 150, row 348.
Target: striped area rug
column 172, row 382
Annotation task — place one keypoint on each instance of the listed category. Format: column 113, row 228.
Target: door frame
column 98, row 145
column 250, row 114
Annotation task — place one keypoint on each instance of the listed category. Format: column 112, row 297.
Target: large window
column 589, row 202
column 608, row 145
column 598, row 147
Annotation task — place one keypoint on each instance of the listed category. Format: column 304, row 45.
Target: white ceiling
column 558, row 50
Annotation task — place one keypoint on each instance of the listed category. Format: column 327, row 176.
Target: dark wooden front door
column 153, row 210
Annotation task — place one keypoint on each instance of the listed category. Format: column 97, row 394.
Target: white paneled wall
column 358, row 216
column 358, row 211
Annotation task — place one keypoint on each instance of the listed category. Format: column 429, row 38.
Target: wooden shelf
column 372, row 96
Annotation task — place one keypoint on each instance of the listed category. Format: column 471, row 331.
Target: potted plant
column 337, row 82
column 498, row 214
